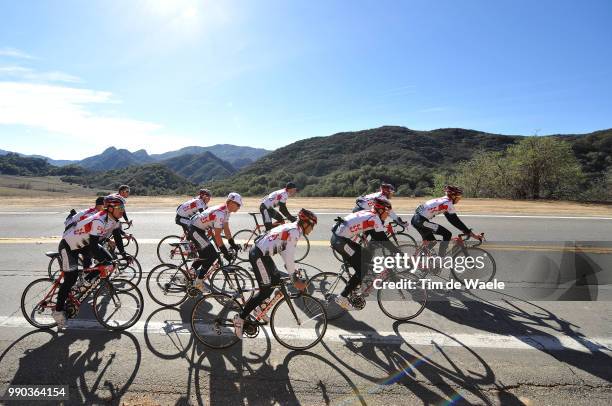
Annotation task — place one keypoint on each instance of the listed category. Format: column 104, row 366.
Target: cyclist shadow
column 529, row 323
column 409, row 367
column 86, row 363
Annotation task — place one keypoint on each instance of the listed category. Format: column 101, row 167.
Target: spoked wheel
column 323, row 287
column 212, row 320
column 404, row 239
column 402, row 301
column 129, row 270
column 233, row 281
column 38, row 302
column 302, row 249
column 167, row 254
column 298, row 322
column 482, row 265
column 245, row 239
column 118, row 304
column 130, row 245
column 167, row 285
column 55, row 266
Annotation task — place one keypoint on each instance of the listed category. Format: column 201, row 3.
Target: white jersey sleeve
column 212, row 217
column 276, row 197
column 191, row 207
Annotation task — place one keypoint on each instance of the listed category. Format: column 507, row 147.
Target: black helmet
column 291, row 185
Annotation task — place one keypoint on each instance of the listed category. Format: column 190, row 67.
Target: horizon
column 164, row 75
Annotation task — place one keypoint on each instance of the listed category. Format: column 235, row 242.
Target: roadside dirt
column 401, row 205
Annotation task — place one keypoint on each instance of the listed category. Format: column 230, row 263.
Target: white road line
column 475, row 340
column 345, row 213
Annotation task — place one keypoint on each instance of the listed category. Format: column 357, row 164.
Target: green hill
column 199, row 168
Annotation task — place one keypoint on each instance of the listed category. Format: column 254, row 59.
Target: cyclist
column 74, row 216
column 187, row 209
column 124, row 191
column 277, row 198
column 215, row 218
column 442, row 205
column 366, row 222
column 281, row 240
column 365, row 202
column 84, row 238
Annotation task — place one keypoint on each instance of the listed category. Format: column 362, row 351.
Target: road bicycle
column 462, row 254
column 297, row 321
column 171, row 284
column 396, row 233
column 117, row 303
column 400, row 302
column 168, row 252
column 246, row 239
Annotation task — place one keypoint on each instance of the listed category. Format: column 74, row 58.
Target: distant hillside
column 594, row 151
column 56, row 162
column 348, row 164
column 199, row 168
column 236, row 155
column 113, row 158
column 149, row 179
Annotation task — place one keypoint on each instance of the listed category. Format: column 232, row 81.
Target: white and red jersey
column 191, row 207
column 276, row 197
column 282, row 239
column 212, row 217
column 358, row 223
column 81, row 215
column 100, row 224
column 366, row 202
column 432, row 207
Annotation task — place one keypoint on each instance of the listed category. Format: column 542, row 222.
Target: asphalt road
column 470, row 349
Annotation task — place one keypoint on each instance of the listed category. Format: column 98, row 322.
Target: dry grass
column 401, row 205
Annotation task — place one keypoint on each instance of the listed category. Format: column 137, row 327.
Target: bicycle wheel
column 402, row 302
column 245, row 239
column 303, row 319
column 323, row 286
column 54, row 267
column 167, row 285
column 482, row 268
column 166, row 253
column 129, row 270
column 403, row 239
column 38, row 301
column 212, row 320
column 130, row 245
column 233, row 281
column 302, row 249
column 118, row 304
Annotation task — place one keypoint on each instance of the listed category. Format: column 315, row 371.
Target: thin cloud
column 71, row 112
column 32, row 75
column 15, row 53
column 432, row 110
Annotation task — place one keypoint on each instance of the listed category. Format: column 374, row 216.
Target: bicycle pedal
column 193, row 292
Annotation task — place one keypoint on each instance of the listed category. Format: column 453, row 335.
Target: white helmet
column 235, row 197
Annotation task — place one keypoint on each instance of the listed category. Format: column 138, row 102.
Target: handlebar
column 129, row 224
column 480, row 238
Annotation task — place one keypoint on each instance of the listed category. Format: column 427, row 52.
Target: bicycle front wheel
column 472, row 263
column 403, row 239
column 118, row 304
column 298, row 322
column 245, row 239
column 129, row 270
column 130, row 245
column 167, row 285
column 402, row 301
column 212, row 320
column 233, row 281
column 38, row 301
column 324, row 287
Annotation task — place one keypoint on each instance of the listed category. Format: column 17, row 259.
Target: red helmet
column 307, row 216
column 381, row 203
column 453, row 190
column 114, row 201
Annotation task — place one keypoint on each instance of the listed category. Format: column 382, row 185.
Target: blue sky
column 76, row 76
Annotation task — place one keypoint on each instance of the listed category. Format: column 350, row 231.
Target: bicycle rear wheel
column 118, row 304
column 403, row 239
column 129, row 270
column 38, row 301
column 245, row 239
column 323, row 287
column 167, row 285
column 166, row 253
column 483, row 268
column 302, row 249
column 402, row 302
column 212, row 320
column 234, row 281
column 303, row 319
